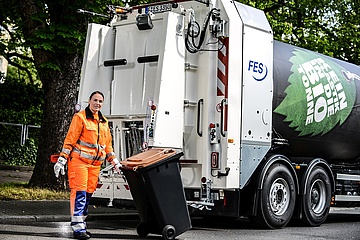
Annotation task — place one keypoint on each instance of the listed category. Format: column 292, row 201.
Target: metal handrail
column 24, row 130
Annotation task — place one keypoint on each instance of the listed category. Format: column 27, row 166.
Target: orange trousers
column 83, row 178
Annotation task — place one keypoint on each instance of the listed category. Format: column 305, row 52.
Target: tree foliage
column 22, row 104
column 328, row 26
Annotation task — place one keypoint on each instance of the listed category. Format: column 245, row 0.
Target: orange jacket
column 88, row 139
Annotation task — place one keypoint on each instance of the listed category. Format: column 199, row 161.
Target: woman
column 87, row 144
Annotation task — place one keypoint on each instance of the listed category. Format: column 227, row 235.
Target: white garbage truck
column 268, row 130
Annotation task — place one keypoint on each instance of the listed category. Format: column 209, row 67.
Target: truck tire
column 276, row 199
column 316, row 198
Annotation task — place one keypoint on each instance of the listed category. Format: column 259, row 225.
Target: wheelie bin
column 156, row 187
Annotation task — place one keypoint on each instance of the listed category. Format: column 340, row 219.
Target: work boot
column 81, row 235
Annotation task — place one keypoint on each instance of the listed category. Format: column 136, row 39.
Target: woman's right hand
column 117, row 165
column 59, row 166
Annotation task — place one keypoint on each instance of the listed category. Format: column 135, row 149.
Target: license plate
column 160, row 8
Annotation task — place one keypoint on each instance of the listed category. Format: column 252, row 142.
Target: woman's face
column 95, row 103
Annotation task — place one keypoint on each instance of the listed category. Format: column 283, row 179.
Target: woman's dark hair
column 97, row 92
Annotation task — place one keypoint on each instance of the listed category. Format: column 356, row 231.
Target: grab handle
column 222, row 117
column 199, row 105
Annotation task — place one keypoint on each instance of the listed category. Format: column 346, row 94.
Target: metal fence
column 25, row 129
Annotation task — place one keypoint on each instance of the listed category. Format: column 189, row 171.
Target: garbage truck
column 268, row 130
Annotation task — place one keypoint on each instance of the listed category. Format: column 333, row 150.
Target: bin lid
column 147, row 158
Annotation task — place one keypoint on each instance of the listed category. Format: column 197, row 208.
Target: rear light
column 203, row 179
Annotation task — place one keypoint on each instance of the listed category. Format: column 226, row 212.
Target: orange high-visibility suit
column 87, row 144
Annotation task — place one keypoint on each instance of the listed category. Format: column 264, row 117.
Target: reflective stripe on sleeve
column 110, row 154
column 66, row 151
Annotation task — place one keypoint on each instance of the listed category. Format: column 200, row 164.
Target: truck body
column 268, row 130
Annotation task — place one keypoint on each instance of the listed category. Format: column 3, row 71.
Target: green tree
column 21, row 103
column 328, row 26
column 55, row 34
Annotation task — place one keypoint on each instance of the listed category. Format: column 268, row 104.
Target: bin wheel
column 169, row 232
column 142, row 229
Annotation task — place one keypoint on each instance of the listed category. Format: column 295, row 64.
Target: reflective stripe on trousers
column 79, row 205
column 83, row 178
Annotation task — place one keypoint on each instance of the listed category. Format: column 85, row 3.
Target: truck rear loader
column 267, row 130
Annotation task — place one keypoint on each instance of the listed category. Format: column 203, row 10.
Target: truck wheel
column 142, row 229
column 317, row 197
column 277, row 198
column 169, row 232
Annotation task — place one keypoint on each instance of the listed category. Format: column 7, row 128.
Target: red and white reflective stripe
column 222, row 71
column 107, row 186
column 222, row 74
column 103, row 186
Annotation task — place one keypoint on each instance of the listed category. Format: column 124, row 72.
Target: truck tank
column 315, row 105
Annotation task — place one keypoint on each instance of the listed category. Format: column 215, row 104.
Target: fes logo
column 258, row 69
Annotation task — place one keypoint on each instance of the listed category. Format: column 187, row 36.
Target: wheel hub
column 318, row 196
column 279, row 196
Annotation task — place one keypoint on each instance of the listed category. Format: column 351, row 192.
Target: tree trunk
column 58, row 62
column 60, row 99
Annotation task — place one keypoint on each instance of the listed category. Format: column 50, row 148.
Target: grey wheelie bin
column 156, row 187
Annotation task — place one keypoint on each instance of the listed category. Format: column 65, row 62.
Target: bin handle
column 200, row 102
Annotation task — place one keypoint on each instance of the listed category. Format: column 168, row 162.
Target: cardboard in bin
column 147, row 158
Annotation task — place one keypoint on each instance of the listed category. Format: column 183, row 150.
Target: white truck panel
column 257, row 86
column 234, row 95
column 99, row 47
column 134, row 83
column 257, row 90
column 252, row 17
column 172, row 80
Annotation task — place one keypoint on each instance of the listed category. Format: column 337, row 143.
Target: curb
column 66, row 218
column 123, row 216
column 43, row 218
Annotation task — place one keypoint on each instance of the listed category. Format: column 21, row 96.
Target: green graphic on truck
column 319, row 95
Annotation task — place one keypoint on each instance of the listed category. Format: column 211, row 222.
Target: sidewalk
column 15, row 173
column 45, row 211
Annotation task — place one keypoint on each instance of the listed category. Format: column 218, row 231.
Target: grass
column 21, row 191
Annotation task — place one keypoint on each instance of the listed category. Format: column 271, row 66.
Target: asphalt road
column 341, row 225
